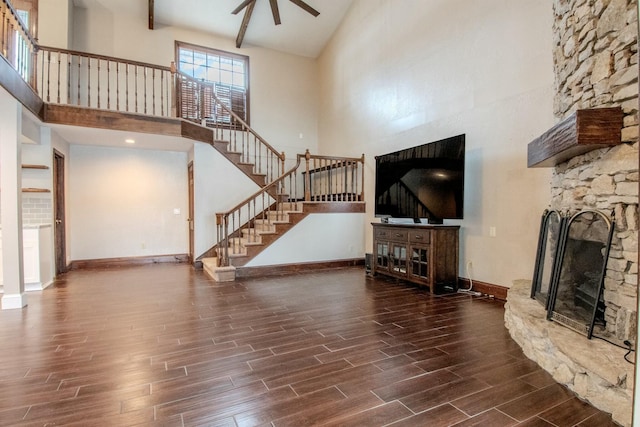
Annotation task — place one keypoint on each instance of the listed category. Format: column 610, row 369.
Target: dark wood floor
column 165, row 345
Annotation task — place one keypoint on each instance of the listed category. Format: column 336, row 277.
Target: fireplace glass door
column 546, row 267
column 576, row 299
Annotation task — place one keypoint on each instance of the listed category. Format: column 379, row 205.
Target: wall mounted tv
column 423, row 182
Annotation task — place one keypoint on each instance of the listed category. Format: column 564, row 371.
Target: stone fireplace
column 595, row 56
column 596, row 65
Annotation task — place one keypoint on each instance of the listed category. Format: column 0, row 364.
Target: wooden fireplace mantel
column 581, row 132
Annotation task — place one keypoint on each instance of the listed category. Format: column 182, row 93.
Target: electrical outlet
column 492, row 231
column 469, row 264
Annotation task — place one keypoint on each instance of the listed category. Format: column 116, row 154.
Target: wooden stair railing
column 321, row 179
column 197, row 102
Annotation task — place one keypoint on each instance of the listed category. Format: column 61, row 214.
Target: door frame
column 191, row 212
column 59, row 210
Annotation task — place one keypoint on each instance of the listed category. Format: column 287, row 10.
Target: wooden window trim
column 30, row 6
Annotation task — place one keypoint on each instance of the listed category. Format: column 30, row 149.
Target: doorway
column 59, row 213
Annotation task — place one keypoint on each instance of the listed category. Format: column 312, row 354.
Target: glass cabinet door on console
column 420, row 263
column 399, row 259
column 382, row 255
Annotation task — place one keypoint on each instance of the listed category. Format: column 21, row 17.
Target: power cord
column 469, row 290
column 628, row 347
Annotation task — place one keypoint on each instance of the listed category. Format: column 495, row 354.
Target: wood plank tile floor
column 163, row 345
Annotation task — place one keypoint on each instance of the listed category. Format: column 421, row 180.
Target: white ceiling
column 300, row 33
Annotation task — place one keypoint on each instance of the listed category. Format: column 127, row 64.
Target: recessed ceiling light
column 130, row 141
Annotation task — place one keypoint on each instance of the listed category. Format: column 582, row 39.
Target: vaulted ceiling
column 299, row 33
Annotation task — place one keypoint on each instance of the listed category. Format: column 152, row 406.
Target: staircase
column 319, row 184
column 284, row 198
column 253, row 239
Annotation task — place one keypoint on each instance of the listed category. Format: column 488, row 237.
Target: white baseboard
column 13, row 301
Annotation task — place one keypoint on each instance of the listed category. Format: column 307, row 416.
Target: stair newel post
column 307, row 177
column 175, row 99
column 280, row 171
column 252, row 220
column 201, row 89
column 33, row 76
column 222, row 244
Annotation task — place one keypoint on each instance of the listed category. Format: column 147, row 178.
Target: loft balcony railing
column 80, row 79
column 314, row 178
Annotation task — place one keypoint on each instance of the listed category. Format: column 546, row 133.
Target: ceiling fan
column 248, row 5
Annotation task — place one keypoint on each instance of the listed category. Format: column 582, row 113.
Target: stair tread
column 238, row 255
column 258, row 232
column 271, row 222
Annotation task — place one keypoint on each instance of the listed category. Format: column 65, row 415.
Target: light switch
column 176, row 211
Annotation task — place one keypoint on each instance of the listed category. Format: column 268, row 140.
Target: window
column 227, row 72
column 28, row 12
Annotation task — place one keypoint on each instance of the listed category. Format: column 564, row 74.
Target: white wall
column 318, row 237
column 121, row 202
column 54, row 23
column 400, row 73
column 218, row 187
column 283, row 88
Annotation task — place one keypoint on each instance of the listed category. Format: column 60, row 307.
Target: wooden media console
column 423, row 254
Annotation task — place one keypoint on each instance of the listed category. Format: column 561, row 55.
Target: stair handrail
column 207, row 109
column 104, row 57
column 259, row 205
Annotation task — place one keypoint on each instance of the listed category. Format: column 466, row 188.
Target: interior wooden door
column 191, row 212
column 59, row 213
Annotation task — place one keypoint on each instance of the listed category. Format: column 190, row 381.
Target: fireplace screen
column 551, row 226
column 576, row 300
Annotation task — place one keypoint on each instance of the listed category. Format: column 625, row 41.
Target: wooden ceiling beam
column 151, row 14
column 245, row 22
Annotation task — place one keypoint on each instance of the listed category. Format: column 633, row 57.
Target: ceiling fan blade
column 275, row 11
column 245, row 23
column 242, row 6
column 305, row 6
column 151, row 14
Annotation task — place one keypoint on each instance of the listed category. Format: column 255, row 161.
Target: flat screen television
column 423, row 182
